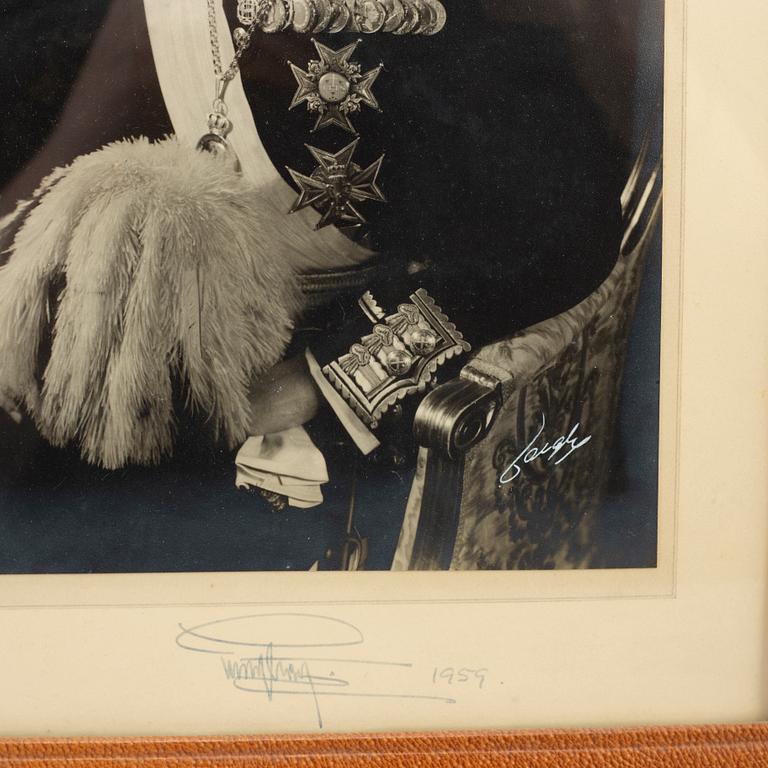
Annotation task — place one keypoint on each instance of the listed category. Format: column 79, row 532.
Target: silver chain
column 242, row 46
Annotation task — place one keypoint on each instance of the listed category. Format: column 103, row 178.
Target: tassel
column 173, row 265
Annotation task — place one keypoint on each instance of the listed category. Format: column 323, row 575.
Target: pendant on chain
column 219, row 127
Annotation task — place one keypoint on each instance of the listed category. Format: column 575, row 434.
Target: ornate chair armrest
column 458, row 414
column 450, row 420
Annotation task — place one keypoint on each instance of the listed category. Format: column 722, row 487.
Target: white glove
column 287, row 463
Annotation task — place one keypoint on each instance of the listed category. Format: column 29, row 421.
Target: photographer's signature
column 555, row 453
column 316, row 658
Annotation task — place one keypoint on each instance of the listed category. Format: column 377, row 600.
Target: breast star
column 335, row 185
column 334, row 86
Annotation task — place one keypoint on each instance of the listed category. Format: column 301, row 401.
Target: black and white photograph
column 383, row 381
column 330, row 285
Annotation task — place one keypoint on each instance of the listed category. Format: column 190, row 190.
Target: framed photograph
column 383, row 367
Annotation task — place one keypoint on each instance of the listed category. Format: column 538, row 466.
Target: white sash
column 181, row 48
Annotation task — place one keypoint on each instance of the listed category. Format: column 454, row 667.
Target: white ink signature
column 549, row 452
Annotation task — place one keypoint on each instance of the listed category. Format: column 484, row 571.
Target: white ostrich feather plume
column 172, row 265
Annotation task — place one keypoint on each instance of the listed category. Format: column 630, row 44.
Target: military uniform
column 503, row 205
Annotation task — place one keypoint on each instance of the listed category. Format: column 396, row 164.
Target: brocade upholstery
column 567, row 369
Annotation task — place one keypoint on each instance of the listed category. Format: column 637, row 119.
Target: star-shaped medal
column 335, row 185
column 334, row 86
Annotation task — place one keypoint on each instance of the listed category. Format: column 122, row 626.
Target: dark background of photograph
column 617, row 54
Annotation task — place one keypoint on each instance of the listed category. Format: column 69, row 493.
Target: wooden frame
column 727, row 745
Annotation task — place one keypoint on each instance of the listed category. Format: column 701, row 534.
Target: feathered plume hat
column 169, row 268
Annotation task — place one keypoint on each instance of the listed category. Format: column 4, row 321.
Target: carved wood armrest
column 450, row 420
column 457, row 415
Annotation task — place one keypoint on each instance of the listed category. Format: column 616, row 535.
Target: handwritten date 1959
column 454, row 676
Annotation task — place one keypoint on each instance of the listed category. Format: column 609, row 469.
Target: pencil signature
column 299, row 654
column 547, row 451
